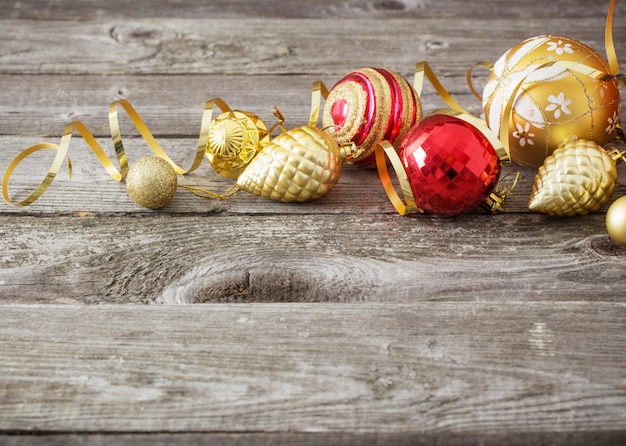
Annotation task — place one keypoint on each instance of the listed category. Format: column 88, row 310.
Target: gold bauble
column 301, row 164
column 616, row 221
column 151, row 182
column 553, row 104
column 234, row 138
column 578, row 178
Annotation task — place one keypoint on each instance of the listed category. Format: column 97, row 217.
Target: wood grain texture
column 324, row 9
column 308, row 258
column 270, row 46
column 245, row 321
column 421, row 368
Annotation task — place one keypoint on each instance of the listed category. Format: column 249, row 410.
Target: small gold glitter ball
column 616, row 221
column 151, row 182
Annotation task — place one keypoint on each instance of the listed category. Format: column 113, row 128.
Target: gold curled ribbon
column 423, row 69
column 609, row 46
column 116, row 135
column 470, row 73
column 318, row 92
column 384, row 148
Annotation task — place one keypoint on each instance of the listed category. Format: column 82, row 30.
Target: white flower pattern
column 559, row 47
column 558, row 105
column 524, row 135
column 612, row 123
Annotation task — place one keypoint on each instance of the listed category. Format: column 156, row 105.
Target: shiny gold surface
column 234, row 138
column 616, row 221
column 299, row 165
column 548, row 90
column 578, row 178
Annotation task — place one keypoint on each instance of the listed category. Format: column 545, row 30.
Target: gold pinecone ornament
column 301, row 164
column 578, row 178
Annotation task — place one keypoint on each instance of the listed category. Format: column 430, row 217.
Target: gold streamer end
column 382, row 149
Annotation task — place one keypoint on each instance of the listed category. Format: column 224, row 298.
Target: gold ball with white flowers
column 552, row 104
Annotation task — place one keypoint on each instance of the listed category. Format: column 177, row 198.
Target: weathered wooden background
column 333, row 322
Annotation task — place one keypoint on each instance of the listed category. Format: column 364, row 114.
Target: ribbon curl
column 117, row 174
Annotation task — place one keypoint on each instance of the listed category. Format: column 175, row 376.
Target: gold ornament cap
column 151, row 182
column 234, row 138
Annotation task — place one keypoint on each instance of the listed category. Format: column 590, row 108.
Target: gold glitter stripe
column 118, row 175
column 410, row 207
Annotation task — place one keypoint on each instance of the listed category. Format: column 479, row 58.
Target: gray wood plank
column 172, row 105
column 307, row 258
column 422, row 368
column 270, row 46
column 72, row 9
column 590, row 438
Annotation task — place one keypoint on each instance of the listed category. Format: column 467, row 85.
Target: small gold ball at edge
column 151, row 182
column 616, row 221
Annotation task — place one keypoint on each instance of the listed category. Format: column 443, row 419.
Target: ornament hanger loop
column 494, row 202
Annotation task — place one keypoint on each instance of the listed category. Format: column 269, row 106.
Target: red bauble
column 368, row 106
column 451, row 165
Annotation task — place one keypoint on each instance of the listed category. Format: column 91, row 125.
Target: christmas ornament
column 616, row 221
column 115, row 173
column 366, row 107
column 151, row 182
column 448, row 165
column 233, row 139
column 301, row 164
column 551, row 102
column 549, row 90
column 578, row 178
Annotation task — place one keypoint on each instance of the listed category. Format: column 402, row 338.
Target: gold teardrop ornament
column 579, row 177
column 234, row 138
column 301, row 164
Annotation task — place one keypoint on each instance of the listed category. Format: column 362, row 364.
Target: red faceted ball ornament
column 451, row 166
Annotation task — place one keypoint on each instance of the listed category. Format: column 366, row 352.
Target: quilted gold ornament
column 551, row 89
column 301, row 164
column 578, row 178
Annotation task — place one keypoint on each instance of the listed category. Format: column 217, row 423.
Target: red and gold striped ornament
column 368, row 106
